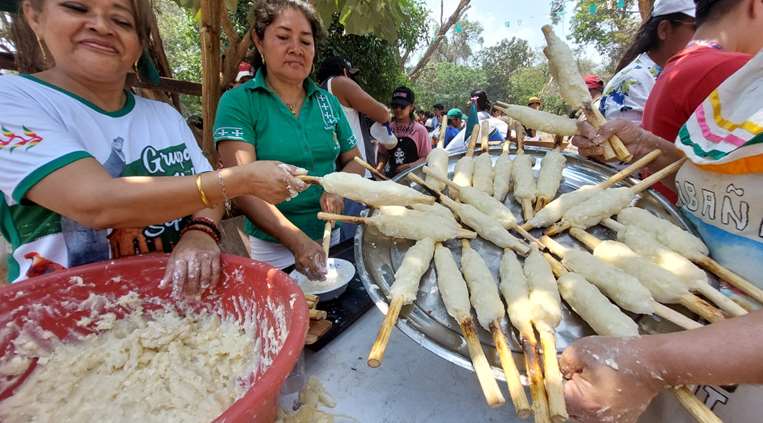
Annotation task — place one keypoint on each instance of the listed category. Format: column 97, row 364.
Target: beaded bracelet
column 201, row 228
column 201, row 220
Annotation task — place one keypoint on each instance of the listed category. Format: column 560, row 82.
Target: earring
column 43, row 51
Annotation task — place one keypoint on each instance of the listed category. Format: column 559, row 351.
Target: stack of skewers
column 652, row 263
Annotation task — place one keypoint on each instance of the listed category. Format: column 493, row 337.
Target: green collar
column 125, row 109
column 259, row 83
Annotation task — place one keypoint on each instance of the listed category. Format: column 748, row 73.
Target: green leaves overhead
column 379, row 17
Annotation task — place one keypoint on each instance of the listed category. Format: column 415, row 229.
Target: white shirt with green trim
column 44, row 128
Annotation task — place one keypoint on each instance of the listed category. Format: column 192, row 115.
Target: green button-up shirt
column 253, row 113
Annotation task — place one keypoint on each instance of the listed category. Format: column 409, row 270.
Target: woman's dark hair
column 710, row 10
column 646, row 37
column 30, row 57
column 483, row 104
column 265, row 12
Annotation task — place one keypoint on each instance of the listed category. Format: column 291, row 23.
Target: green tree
column 499, row 62
column 447, row 83
column 183, row 47
column 534, row 81
column 603, row 24
column 458, row 45
column 377, row 59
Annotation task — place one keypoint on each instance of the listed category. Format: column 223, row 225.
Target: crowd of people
column 92, row 171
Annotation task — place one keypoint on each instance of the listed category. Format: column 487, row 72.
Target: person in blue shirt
column 455, row 123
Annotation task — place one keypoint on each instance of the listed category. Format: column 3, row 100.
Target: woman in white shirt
column 667, row 32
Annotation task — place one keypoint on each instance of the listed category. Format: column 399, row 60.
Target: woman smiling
column 87, row 164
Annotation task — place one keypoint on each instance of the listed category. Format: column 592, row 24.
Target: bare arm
column 614, row 379
column 351, row 94
column 702, row 356
column 85, row 192
column 348, row 164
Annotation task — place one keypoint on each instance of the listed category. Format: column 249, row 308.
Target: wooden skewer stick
column 443, row 127
column 553, row 376
column 632, row 168
column 510, row 371
column 666, row 313
column 695, row 407
column 315, row 180
column 690, row 301
column 358, row 220
column 327, row 237
column 723, row 302
column 690, row 402
column 658, row 176
column 562, row 226
column 457, row 189
column 370, row 168
column 472, row 141
column 731, row 278
column 621, row 175
column 485, row 376
column 537, row 386
column 596, row 120
column 415, row 179
column 376, row 355
column 484, row 136
column 317, row 314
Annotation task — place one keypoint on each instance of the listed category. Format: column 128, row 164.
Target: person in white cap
column 664, row 34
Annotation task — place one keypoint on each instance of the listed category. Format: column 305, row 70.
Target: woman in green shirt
column 282, row 115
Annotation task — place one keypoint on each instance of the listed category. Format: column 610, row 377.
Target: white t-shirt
column 626, row 93
column 45, row 128
column 353, row 118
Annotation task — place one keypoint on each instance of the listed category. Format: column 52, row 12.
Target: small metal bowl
column 325, row 291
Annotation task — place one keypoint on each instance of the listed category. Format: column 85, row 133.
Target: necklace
column 292, row 108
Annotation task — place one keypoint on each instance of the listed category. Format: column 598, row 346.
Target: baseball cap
column 455, row 113
column 532, row 100
column 593, row 82
column 402, row 96
column 666, row 7
column 244, row 70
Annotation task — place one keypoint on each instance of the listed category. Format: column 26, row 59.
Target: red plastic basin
column 246, row 287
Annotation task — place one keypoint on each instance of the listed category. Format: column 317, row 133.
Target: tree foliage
column 458, row 45
column 377, row 59
column 602, row 24
column 534, row 81
column 183, row 47
column 448, row 83
column 499, row 62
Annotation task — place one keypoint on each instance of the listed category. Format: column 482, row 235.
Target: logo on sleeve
column 10, row 140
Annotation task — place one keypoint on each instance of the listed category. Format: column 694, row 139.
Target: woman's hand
column 332, row 203
column 609, row 379
column 309, row 258
column 274, row 182
column 589, row 141
column 194, row 265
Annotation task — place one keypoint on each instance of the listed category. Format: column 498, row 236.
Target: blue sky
column 525, row 18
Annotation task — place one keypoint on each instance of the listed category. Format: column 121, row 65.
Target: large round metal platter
column 427, row 322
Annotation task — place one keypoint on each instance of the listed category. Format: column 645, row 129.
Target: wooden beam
column 210, row 61
column 167, row 84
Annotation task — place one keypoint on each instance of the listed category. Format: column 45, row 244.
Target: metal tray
column 427, row 322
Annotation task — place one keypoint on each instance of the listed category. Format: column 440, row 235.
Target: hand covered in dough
column 609, row 379
column 194, row 265
column 332, row 203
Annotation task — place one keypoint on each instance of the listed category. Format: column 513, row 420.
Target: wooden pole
column 210, row 62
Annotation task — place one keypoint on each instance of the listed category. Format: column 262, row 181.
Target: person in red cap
column 595, row 87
